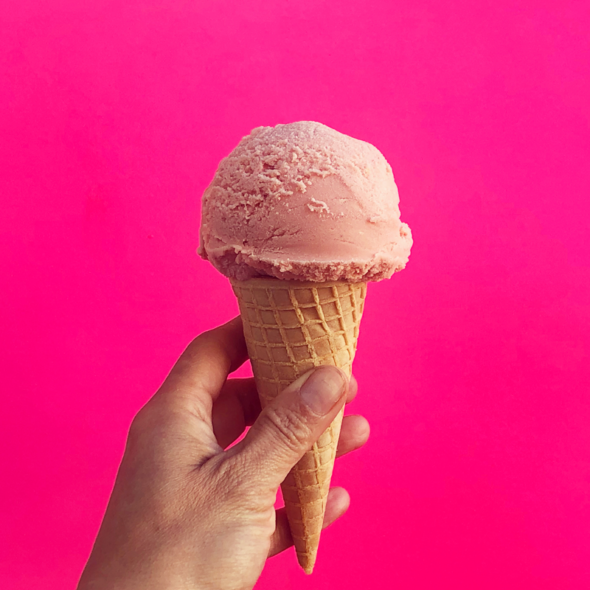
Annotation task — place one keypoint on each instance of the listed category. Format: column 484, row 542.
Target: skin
column 189, row 513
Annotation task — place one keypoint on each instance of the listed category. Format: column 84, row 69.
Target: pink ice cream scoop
column 304, row 202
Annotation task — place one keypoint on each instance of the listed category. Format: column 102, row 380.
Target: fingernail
column 323, row 389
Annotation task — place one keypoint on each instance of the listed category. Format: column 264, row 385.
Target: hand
column 187, row 514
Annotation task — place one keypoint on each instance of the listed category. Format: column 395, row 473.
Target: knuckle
column 290, row 427
column 200, row 340
column 138, row 426
column 203, row 341
column 153, row 425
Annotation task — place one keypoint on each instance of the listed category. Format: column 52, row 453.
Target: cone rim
column 272, row 282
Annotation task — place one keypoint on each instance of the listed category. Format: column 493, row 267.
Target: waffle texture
column 291, row 327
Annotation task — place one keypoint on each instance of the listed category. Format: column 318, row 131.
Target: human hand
column 185, row 514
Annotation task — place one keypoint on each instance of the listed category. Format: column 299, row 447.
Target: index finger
column 202, row 369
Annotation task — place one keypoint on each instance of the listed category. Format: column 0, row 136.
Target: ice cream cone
column 291, row 327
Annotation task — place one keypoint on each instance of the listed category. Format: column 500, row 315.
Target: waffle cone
column 291, row 327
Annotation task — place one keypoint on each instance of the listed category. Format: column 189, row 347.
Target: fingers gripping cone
column 291, row 327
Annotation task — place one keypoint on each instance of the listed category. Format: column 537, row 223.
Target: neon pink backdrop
column 473, row 362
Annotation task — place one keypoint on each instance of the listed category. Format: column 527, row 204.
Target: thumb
column 289, row 426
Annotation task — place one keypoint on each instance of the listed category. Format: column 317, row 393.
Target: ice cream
column 300, row 217
column 304, row 202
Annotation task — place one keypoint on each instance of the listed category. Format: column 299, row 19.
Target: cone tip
column 306, row 561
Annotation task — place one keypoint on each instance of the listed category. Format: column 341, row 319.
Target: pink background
column 473, row 362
